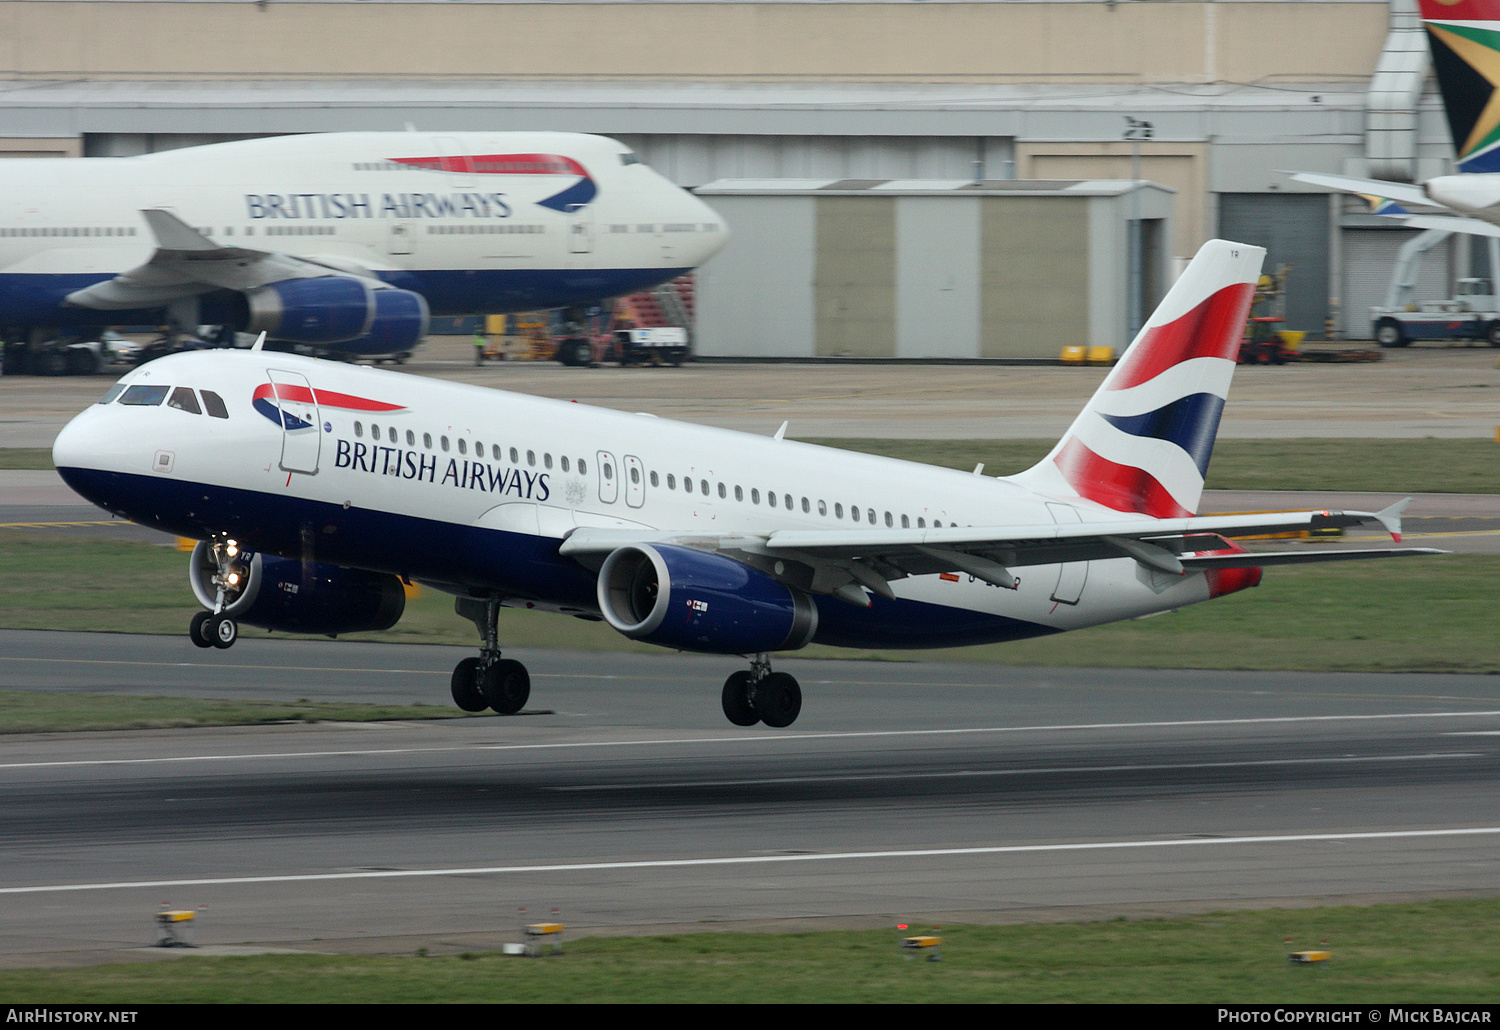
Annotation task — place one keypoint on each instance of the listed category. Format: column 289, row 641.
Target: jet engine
column 298, row 597
column 695, row 601
column 338, row 309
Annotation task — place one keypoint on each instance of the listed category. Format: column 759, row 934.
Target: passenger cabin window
column 184, row 399
column 214, row 404
column 144, row 396
column 583, row 467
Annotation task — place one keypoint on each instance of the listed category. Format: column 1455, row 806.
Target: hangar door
column 1294, row 230
column 1369, row 260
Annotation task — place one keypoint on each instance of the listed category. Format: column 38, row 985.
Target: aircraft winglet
column 1390, row 518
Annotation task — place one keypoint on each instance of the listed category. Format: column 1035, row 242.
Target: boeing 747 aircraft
column 343, row 243
column 317, row 488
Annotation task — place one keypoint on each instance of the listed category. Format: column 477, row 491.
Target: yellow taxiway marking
column 45, row 525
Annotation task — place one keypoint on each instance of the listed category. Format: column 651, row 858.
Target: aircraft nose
column 71, row 448
column 711, row 240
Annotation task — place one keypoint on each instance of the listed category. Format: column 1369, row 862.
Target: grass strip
column 1433, row 952
column 1410, row 614
column 26, row 458
column 1383, row 466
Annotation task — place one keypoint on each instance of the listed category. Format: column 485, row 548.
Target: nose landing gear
column 489, row 681
column 760, row 695
column 215, row 628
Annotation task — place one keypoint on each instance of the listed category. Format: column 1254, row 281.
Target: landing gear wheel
column 1492, row 334
column 467, row 693
column 738, row 708
column 197, row 633
column 778, row 699
column 224, row 632
column 506, row 686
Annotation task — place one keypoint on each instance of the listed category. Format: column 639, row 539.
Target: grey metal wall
column 1369, row 259
column 1294, row 230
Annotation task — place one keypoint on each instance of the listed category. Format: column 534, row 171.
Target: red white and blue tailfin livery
column 1144, row 441
column 316, row 488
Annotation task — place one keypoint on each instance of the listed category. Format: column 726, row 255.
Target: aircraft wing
column 187, row 263
column 841, row 561
column 1403, row 193
column 1452, row 223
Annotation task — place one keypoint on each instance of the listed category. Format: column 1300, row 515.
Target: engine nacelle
column 695, row 601
column 300, row 597
column 328, row 309
column 400, row 323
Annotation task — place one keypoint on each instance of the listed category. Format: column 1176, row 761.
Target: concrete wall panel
column 854, row 285
column 1034, row 270
column 937, row 277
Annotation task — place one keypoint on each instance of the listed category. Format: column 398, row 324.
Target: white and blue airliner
column 317, row 489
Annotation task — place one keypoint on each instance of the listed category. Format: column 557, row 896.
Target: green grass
column 26, row 458
column 1386, row 466
column 1409, row 614
column 1436, row 952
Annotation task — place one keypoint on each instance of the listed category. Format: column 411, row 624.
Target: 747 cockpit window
column 146, row 396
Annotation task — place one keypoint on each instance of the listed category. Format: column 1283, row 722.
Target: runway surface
column 909, row 791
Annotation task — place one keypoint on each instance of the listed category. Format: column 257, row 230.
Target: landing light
column 231, row 548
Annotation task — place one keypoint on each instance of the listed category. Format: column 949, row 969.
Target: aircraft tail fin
column 1143, row 441
column 1464, row 38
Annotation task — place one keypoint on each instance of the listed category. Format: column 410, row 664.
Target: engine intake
column 338, row 309
column 300, row 597
column 695, row 601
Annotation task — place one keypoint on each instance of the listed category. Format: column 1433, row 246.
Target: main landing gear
column 490, row 681
column 760, row 695
column 215, row 629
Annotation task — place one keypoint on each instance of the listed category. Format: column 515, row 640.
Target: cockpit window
column 114, row 391
column 215, row 404
column 184, row 399
column 146, row 396
column 629, row 158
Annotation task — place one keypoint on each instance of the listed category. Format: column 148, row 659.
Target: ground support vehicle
column 659, row 345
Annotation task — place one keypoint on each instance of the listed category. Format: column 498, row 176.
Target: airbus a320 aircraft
column 344, row 242
column 316, row 488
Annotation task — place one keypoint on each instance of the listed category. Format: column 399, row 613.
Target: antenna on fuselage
column 260, row 341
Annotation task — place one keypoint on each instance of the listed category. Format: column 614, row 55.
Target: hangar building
column 832, row 90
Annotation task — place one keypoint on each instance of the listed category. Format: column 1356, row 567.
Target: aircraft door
column 581, row 230
column 609, row 483
column 635, row 481
column 401, row 238
column 301, row 425
column 1071, row 576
